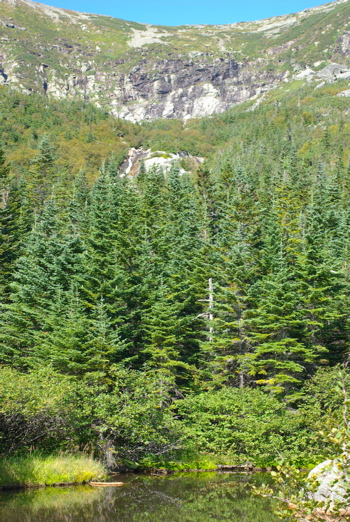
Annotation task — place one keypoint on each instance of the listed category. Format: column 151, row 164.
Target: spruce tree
column 75, row 341
column 15, row 222
column 42, row 173
column 51, row 260
column 165, row 331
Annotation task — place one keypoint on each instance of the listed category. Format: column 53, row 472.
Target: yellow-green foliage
column 185, row 461
column 31, row 502
column 36, row 405
column 37, row 470
column 82, row 135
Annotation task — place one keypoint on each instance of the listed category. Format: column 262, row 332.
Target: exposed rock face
column 142, row 72
column 345, row 93
column 184, row 88
column 165, row 161
column 333, row 482
column 334, row 71
column 344, row 44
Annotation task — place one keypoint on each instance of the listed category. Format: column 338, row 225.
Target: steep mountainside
column 145, row 72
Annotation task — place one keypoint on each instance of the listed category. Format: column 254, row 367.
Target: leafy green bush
column 322, row 495
column 122, row 418
column 37, row 410
column 245, row 425
column 132, row 417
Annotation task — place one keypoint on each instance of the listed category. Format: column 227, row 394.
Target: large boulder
column 332, row 481
column 345, row 93
column 334, row 71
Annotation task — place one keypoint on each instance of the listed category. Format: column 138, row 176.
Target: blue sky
column 178, row 12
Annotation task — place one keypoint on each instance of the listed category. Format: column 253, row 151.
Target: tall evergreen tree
column 42, row 173
column 15, row 222
column 52, row 258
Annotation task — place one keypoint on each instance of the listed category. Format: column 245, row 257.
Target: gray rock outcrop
column 144, row 72
column 182, row 88
column 165, row 161
column 345, row 93
column 333, row 482
column 334, row 71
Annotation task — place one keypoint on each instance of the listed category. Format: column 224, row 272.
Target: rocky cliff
column 143, row 72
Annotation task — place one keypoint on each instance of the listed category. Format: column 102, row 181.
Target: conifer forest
column 168, row 316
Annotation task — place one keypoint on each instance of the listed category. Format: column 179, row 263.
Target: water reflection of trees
column 186, row 498
column 52, row 503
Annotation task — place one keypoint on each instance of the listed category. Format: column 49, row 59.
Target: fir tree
column 51, row 259
column 15, row 222
column 165, row 332
column 42, row 173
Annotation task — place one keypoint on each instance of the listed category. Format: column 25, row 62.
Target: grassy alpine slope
column 67, row 54
column 106, row 38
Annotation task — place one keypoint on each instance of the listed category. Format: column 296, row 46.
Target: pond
column 185, row 497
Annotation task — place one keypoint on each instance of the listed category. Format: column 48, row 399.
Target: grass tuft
column 39, row 470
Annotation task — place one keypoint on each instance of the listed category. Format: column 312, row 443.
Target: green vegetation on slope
column 47, row 48
column 84, row 135
column 147, row 319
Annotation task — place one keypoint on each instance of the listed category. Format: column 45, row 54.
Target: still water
column 185, row 497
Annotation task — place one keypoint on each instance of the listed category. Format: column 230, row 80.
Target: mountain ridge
column 144, row 72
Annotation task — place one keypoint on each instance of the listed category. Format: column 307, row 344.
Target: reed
column 39, row 470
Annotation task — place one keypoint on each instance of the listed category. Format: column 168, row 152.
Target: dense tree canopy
column 150, row 290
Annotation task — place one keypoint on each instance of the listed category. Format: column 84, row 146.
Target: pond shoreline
column 150, row 471
column 13, row 487
column 146, row 498
column 38, row 471
column 218, row 469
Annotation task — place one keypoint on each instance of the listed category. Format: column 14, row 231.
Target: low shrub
column 245, row 425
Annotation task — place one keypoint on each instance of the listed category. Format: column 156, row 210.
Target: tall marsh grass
column 40, row 470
